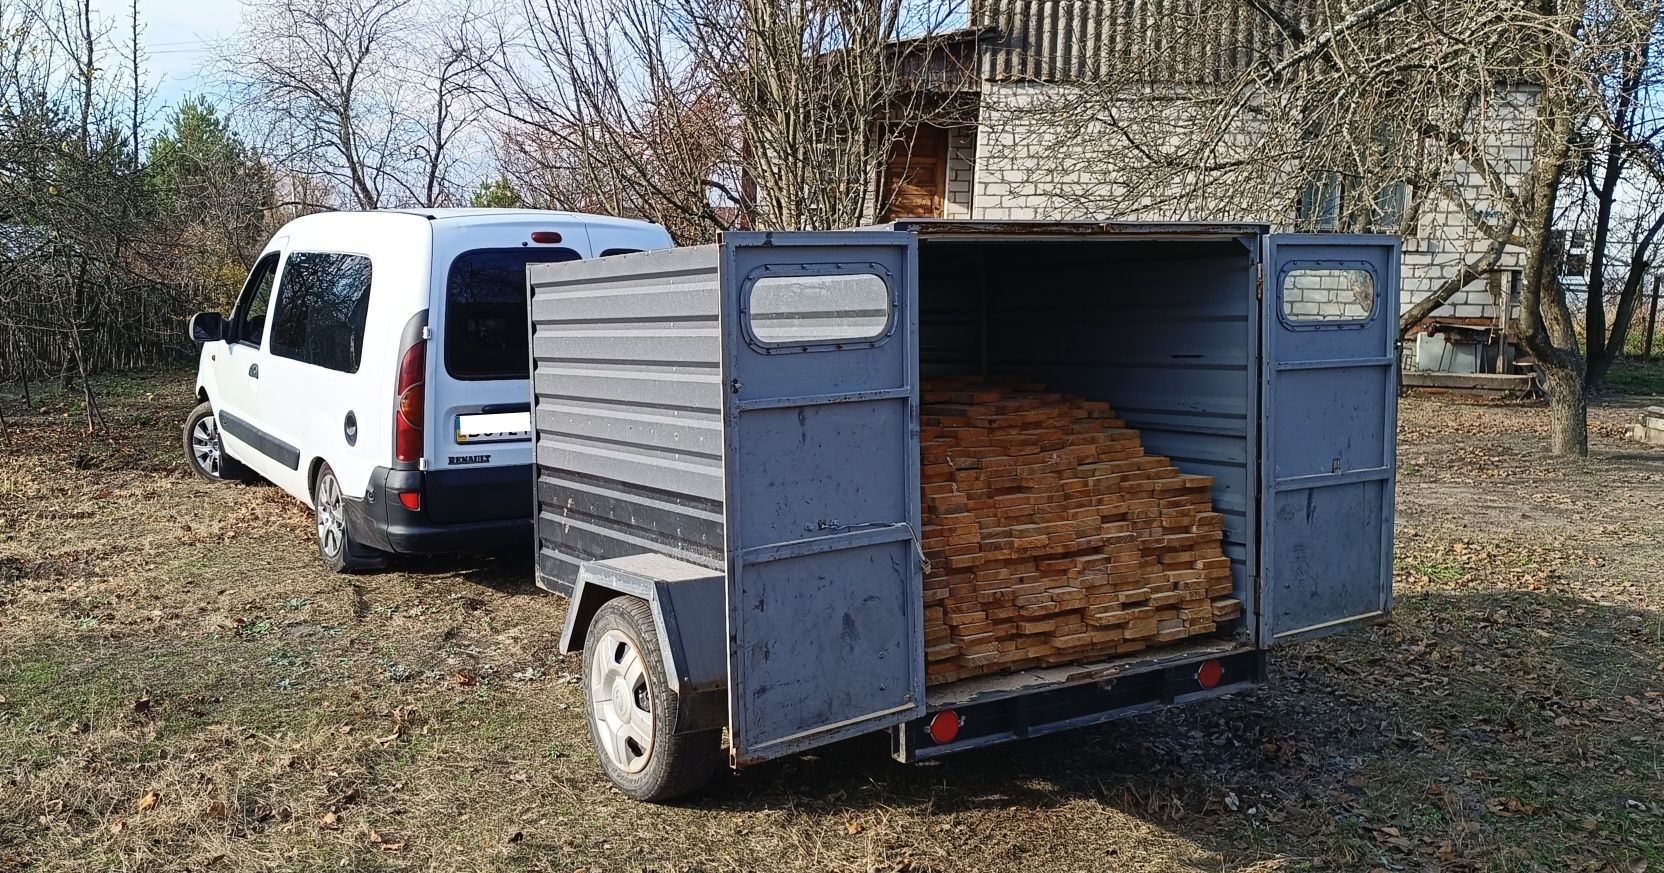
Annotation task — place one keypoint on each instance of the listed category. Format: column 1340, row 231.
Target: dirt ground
column 183, row 687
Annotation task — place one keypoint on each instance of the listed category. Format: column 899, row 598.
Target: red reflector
column 545, row 236
column 1209, row 674
column 412, row 500
column 944, row 727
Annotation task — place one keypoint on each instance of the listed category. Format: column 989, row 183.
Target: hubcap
column 332, row 521
column 621, row 704
column 205, row 445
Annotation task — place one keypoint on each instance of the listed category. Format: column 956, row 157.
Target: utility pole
column 1652, row 319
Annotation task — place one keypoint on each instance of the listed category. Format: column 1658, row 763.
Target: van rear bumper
column 381, row 521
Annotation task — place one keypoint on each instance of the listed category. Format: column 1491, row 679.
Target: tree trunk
column 1568, row 412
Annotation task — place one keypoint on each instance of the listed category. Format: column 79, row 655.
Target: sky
column 177, row 39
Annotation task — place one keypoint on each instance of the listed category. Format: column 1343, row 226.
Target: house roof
column 1176, row 41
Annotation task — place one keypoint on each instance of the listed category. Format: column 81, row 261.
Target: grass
column 163, row 636
column 1634, row 376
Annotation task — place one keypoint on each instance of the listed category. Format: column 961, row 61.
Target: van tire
column 621, row 656
column 340, row 550
column 205, row 450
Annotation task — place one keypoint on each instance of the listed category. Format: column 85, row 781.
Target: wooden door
column 916, row 177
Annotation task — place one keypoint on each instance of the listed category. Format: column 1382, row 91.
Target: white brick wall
column 1022, row 172
column 961, row 172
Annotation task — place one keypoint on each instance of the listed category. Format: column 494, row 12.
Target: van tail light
column 407, row 421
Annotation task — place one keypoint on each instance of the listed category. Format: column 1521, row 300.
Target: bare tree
column 349, row 91
column 710, row 114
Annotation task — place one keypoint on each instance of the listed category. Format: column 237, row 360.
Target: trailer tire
column 632, row 711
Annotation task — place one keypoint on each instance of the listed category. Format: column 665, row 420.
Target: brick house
column 994, row 158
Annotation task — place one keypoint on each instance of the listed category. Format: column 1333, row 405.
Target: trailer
column 728, row 466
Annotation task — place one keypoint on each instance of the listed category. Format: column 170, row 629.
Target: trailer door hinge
column 1259, row 284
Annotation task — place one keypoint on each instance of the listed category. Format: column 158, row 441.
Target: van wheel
column 632, row 711
column 336, row 545
column 206, row 453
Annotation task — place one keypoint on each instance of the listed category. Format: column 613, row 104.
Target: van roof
column 473, row 216
column 489, row 215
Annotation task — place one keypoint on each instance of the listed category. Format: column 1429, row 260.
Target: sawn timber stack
column 1052, row 537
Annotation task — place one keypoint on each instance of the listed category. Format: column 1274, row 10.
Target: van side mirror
column 207, row 327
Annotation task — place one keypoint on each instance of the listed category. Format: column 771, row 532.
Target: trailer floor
column 182, row 687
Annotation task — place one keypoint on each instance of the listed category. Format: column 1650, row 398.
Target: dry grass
column 160, row 635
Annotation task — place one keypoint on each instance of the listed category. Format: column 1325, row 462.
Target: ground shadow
column 1343, row 744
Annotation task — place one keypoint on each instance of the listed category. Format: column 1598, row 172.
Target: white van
column 376, row 367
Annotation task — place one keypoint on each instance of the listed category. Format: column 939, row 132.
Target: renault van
column 375, row 366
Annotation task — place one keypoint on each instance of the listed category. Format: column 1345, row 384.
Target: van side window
column 321, row 308
column 486, row 333
column 248, row 322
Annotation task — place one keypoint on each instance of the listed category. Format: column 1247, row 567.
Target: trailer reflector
column 944, row 727
column 412, row 500
column 1210, row 673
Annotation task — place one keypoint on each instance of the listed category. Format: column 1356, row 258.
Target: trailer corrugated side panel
column 626, row 373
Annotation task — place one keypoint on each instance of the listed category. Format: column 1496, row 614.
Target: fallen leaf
column 466, row 680
column 148, row 801
column 118, row 826
column 217, row 810
column 328, row 820
column 852, row 828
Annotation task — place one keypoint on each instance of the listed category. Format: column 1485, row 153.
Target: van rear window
column 485, row 311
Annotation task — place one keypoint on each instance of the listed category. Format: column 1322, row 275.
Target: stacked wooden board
column 1052, row 537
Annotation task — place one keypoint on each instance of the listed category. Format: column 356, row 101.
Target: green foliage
column 498, row 193
column 1634, row 376
column 199, row 158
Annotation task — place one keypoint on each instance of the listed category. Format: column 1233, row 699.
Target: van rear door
column 478, row 421
column 1329, row 408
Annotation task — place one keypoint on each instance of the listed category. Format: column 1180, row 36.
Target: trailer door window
column 485, row 312
column 1327, row 294
column 818, row 309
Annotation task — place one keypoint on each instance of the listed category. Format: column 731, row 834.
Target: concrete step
column 1643, row 434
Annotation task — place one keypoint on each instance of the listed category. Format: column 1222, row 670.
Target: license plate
column 496, row 427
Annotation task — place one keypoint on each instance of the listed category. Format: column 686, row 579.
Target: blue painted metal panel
column 825, row 635
column 1329, row 406
column 626, row 384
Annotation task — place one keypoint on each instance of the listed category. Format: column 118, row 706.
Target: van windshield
column 485, row 311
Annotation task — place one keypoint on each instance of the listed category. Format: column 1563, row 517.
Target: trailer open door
column 821, row 469
column 1330, row 339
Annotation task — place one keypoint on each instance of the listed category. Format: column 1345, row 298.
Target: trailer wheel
column 632, row 710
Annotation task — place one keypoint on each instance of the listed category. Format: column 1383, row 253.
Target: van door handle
column 254, row 371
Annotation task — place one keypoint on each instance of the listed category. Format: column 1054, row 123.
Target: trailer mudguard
column 689, row 610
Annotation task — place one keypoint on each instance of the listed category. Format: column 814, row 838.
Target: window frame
column 786, row 271
column 1288, row 268
column 239, row 312
column 277, row 302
